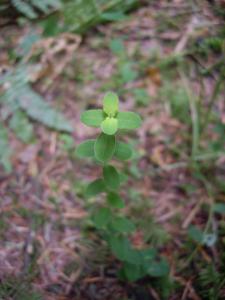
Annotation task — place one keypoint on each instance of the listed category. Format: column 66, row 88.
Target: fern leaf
column 24, row 8
column 13, row 81
column 19, row 94
column 36, row 108
column 20, row 124
column 5, row 152
column 46, row 6
column 29, row 8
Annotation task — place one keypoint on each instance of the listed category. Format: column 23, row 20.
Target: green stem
column 211, row 103
column 194, row 116
column 209, row 221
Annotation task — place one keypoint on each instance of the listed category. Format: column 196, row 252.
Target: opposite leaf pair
column 104, row 148
column 109, row 184
column 110, row 119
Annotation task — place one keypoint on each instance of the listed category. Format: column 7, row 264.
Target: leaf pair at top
column 110, row 119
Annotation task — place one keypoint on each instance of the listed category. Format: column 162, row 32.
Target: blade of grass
column 194, row 115
column 212, row 101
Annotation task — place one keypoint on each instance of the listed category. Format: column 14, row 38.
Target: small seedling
column 109, row 220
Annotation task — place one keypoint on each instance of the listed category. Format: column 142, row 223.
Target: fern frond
column 24, row 8
column 36, row 108
column 5, row 152
column 45, row 6
column 30, row 8
column 19, row 95
column 208, row 283
column 14, row 288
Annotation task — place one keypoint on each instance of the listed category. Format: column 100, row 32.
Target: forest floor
column 160, row 63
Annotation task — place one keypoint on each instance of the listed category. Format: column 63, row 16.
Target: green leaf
column 122, row 249
column 113, row 16
column 158, row 269
column 148, row 255
column 92, row 117
column 123, row 178
column 27, row 43
column 122, row 225
column 117, row 46
column 25, row 8
column 30, row 9
column 141, row 96
column 5, row 152
column 207, row 239
column 20, row 124
column 120, row 246
column 219, row 208
column 133, row 257
column 104, row 147
column 95, row 187
column 127, row 72
column 195, row 234
column 111, row 177
column 109, row 126
column 51, row 26
column 110, row 104
column 123, row 151
column 86, row 149
column 115, row 200
column 67, row 142
column 133, row 272
column 47, row 6
column 128, row 120
column 102, row 217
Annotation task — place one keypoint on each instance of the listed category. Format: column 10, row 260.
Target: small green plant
column 113, row 225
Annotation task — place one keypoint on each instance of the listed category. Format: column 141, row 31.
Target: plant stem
column 194, row 117
column 211, row 103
